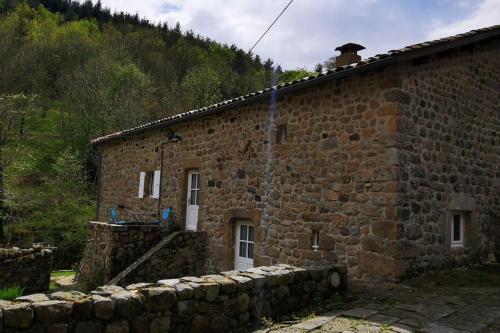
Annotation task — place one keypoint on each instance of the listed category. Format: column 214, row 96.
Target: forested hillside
column 70, row 72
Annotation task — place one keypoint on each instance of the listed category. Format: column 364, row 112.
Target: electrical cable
column 269, row 28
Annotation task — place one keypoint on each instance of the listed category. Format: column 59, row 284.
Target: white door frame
column 244, row 245
column 193, row 200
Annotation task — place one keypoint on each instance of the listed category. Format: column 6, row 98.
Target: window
column 281, row 134
column 246, row 241
column 194, row 188
column 149, row 184
column 457, row 229
column 315, row 240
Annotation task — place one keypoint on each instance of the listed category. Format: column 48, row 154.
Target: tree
column 318, row 68
column 200, row 87
column 329, row 64
column 296, row 74
column 13, row 110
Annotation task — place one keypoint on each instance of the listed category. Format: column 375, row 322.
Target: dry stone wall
column 181, row 253
column 214, row 303
column 25, row 268
column 111, row 248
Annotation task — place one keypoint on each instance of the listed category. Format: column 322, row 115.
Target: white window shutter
column 141, row 185
column 156, row 184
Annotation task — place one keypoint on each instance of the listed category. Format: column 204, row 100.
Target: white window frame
column 315, row 240
column 142, row 180
column 156, row 184
column 247, row 241
column 155, row 193
column 194, row 188
column 460, row 242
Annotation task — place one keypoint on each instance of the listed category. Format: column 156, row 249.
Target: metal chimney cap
column 350, row 47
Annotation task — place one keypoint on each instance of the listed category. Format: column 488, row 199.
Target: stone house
column 387, row 166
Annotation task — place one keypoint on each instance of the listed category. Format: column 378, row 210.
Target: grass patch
column 9, row 294
column 57, row 274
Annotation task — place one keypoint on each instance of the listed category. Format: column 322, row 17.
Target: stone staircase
column 181, row 253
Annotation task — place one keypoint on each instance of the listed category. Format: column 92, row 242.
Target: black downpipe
column 161, row 145
column 98, row 181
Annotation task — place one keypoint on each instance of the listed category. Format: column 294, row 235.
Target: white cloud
column 485, row 14
column 311, row 29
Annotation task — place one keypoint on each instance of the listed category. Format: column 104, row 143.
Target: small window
column 194, row 188
column 148, row 183
column 281, row 134
column 457, row 229
column 246, row 241
column 315, row 240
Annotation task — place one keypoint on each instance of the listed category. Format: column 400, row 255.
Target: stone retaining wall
column 26, row 268
column 111, row 248
column 212, row 303
column 179, row 254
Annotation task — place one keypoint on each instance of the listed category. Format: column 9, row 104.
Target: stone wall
column 212, row 303
column 179, row 254
column 496, row 237
column 334, row 174
column 370, row 161
column 449, row 157
column 25, row 268
column 111, row 248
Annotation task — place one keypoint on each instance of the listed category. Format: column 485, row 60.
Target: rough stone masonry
column 375, row 162
column 211, row 303
column 28, row 269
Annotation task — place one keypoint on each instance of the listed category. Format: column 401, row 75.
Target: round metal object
column 335, row 280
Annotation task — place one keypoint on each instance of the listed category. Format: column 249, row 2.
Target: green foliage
column 94, row 73
column 48, row 194
column 296, row 74
column 200, row 87
column 9, row 294
column 57, row 274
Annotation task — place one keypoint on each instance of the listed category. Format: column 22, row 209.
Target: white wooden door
column 193, row 200
column 243, row 248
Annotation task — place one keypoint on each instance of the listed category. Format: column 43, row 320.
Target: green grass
column 57, row 274
column 8, row 294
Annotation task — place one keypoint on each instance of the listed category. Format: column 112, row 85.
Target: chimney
column 348, row 54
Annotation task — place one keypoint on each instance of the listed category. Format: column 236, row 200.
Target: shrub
column 9, row 294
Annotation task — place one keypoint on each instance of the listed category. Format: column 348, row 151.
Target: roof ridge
column 333, row 71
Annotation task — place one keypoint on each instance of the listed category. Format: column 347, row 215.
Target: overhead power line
column 260, row 38
column 269, row 28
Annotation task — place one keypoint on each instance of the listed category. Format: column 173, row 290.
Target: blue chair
column 165, row 214
column 114, row 217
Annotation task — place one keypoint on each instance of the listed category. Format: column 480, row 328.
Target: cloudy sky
column 311, row 29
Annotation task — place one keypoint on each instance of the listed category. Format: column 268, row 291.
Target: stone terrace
column 457, row 302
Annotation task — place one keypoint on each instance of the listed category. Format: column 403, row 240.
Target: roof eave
column 337, row 75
